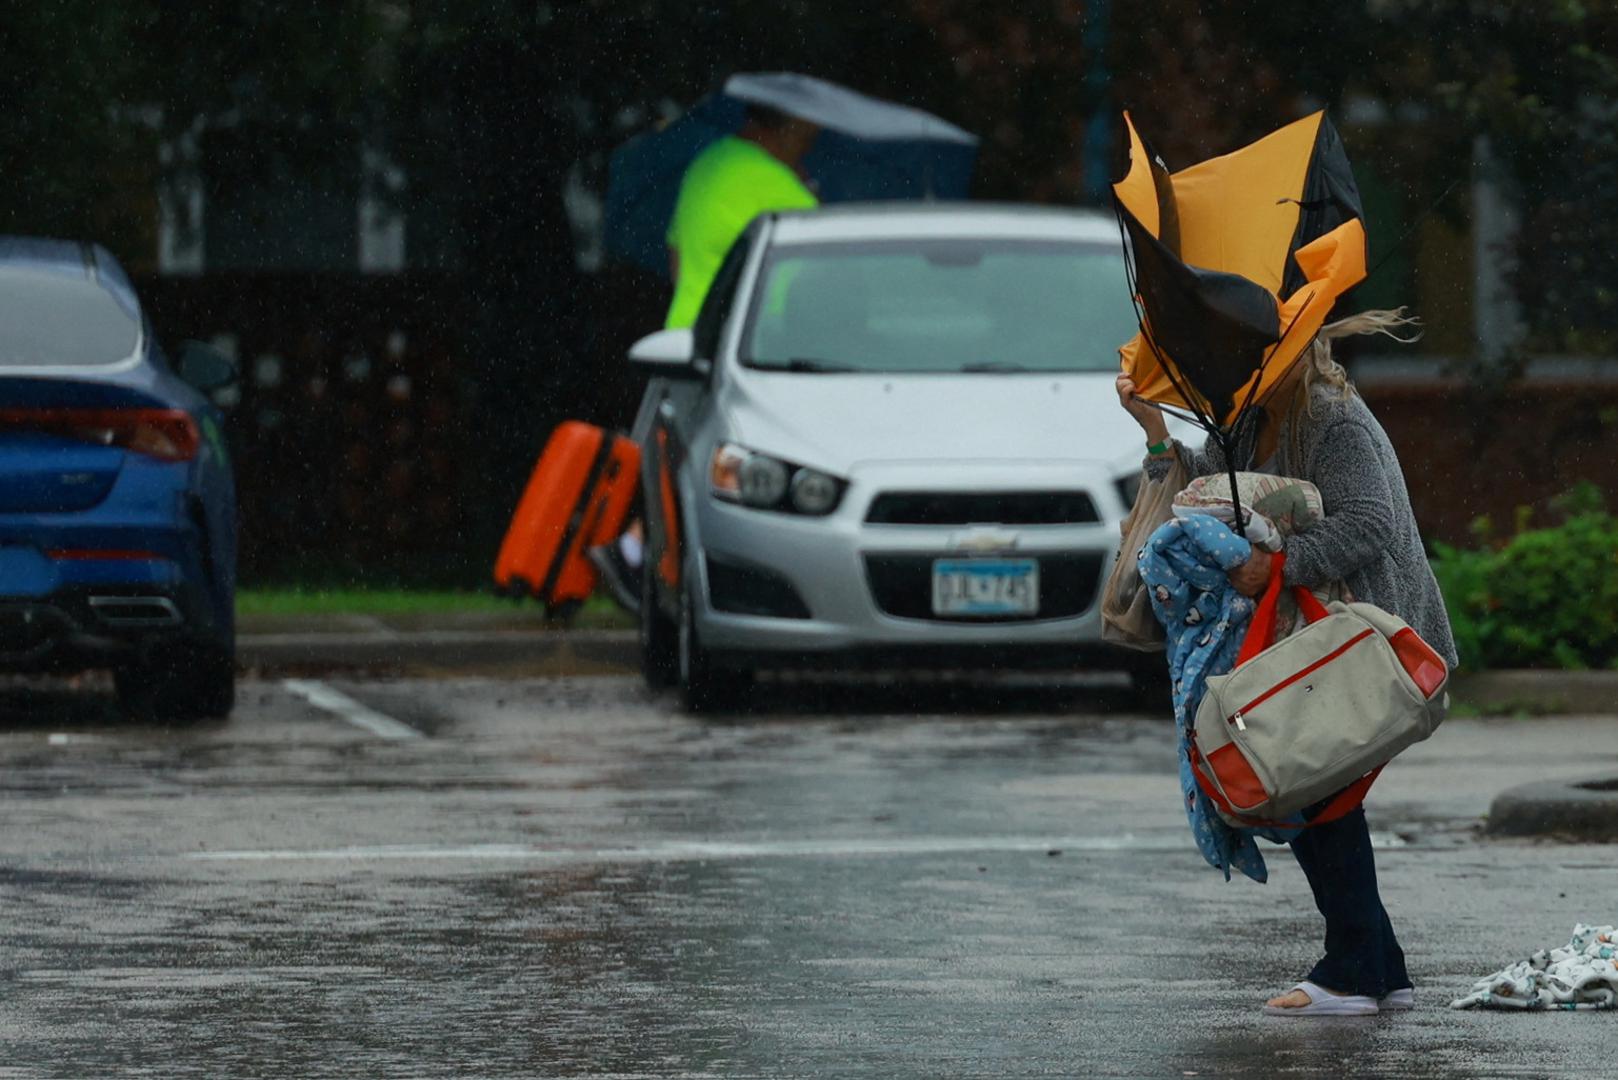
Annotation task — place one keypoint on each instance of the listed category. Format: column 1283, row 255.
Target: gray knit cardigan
column 1368, row 536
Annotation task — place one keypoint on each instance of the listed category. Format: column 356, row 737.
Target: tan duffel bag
column 1318, row 712
column 1127, row 617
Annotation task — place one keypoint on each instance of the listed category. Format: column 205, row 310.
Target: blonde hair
column 1320, row 368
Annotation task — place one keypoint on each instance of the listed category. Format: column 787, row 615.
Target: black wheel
column 659, row 637
column 179, row 683
column 705, row 686
column 1151, row 684
column 561, row 615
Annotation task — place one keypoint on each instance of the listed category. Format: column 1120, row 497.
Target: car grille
column 902, row 585
column 752, row 590
column 982, row 508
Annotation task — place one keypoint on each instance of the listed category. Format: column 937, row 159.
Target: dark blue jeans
column 1362, row 955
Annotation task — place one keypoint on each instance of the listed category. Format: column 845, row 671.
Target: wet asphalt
column 537, row 877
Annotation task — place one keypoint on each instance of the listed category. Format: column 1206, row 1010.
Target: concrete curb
column 1584, row 810
column 476, row 646
column 584, row 652
column 1537, row 692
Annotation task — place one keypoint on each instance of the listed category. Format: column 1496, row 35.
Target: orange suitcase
column 577, row 497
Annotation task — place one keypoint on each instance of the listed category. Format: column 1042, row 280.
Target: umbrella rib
column 1178, row 414
column 1229, row 443
column 1201, row 419
column 1269, row 354
column 1204, row 420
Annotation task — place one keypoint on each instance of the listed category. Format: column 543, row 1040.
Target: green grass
column 316, row 601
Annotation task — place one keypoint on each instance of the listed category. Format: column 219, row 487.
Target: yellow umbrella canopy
column 1235, row 263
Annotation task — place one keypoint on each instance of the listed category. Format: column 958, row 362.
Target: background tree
column 76, row 163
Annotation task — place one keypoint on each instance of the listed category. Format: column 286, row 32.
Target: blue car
column 117, row 502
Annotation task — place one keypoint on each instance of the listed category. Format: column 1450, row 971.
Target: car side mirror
column 669, row 353
column 205, row 367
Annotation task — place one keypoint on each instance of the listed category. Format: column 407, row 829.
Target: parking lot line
column 360, row 715
column 731, row 851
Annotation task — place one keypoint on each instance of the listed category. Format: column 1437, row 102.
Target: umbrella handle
column 1235, row 495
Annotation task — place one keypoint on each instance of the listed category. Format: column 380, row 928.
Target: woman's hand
column 1149, row 419
column 1252, row 576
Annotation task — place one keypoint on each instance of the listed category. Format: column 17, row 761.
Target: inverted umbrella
column 1234, row 264
column 868, row 149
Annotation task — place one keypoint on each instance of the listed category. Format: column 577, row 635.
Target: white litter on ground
column 1581, row 976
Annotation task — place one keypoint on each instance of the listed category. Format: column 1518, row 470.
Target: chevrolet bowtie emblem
column 983, row 541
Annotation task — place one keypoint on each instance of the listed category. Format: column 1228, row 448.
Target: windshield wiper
column 809, row 365
column 992, row 366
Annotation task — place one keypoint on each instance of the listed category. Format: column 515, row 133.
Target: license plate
column 986, row 587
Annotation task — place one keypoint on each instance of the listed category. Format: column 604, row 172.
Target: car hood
column 837, row 422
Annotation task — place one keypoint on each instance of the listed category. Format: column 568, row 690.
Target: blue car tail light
column 164, row 434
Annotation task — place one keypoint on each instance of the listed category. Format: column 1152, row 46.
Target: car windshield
column 970, row 305
column 50, row 319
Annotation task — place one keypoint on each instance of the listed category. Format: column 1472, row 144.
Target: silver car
column 892, row 438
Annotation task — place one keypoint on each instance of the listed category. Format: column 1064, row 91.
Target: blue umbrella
column 867, row 149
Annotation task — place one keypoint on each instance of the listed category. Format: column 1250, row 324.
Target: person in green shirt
column 725, row 187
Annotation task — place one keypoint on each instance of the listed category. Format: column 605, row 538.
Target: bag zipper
column 1236, row 717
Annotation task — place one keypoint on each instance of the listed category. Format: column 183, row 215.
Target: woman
column 1315, row 427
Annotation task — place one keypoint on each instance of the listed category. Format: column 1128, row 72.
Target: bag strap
column 1261, row 628
column 1313, row 610
column 1345, row 801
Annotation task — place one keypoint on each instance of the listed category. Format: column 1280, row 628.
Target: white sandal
column 1323, row 1002
column 1398, row 1000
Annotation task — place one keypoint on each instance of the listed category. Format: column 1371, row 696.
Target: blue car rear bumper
column 96, row 588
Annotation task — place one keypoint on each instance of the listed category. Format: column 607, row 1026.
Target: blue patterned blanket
column 1185, row 565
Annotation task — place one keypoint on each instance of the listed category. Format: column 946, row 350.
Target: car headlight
column 814, row 492
column 744, row 476
column 762, row 480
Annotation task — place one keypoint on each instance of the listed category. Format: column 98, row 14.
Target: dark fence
column 379, row 437
column 1469, row 453
column 375, row 437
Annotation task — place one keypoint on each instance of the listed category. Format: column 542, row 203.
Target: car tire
column 1151, row 687
column 705, row 685
column 659, row 637
column 183, row 684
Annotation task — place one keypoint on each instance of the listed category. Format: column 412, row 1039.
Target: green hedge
column 1544, row 597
